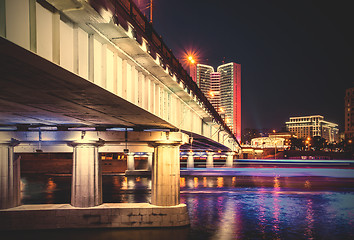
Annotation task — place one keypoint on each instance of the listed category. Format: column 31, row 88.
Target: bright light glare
column 190, row 57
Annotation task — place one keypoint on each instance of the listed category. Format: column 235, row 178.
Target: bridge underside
column 35, row 92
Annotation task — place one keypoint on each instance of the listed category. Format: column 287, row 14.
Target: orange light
column 211, row 93
column 182, row 182
column 190, row 57
column 273, row 131
column 221, row 109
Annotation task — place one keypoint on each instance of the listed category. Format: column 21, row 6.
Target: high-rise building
column 349, row 113
column 214, row 93
column 312, row 126
column 223, row 89
column 230, row 95
column 203, row 78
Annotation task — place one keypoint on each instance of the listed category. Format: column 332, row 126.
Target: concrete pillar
column 86, row 188
column 149, row 162
column 130, row 161
column 210, row 160
column 165, row 175
column 190, row 160
column 9, row 176
column 230, row 159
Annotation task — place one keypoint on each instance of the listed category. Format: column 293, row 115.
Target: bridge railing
column 125, row 11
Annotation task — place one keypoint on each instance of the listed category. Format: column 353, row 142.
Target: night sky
column 297, row 56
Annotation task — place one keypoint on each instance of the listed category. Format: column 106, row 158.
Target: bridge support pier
column 230, row 159
column 130, row 161
column 190, row 160
column 165, row 175
column 9, row 176
column 86, row 189
column 210, row 160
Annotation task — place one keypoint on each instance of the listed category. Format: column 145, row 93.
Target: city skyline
column 296, row 57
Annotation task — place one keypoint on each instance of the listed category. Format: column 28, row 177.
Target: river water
column 271, row 206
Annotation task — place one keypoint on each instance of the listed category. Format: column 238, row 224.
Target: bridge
column 87, row 77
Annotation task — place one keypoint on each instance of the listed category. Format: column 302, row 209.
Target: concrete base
column 107, row 215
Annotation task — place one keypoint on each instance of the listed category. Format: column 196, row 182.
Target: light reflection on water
column 232, row 207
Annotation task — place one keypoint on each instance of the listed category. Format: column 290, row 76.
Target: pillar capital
column 83, row 142
column 131, row 154
column 170, row 138
column 230, row 153
column 210, row 153
column 190, row 154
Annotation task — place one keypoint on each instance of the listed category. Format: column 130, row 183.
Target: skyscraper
column 203, row 78
column 223, row 89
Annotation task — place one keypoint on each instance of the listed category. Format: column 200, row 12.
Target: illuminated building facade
column 268, row 142
column 223, row 89
column 214, row 94
column 203, row 78
column 311, row 126
column 349, row 113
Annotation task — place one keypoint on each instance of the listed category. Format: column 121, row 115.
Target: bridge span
column 87, row 76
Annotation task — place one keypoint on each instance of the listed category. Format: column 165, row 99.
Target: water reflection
column 220, row 182
column 182, row 181
column 262, row 212
column 205, row 183
column 195, row 182
column 309, row 220
column 307, row 184
column 231, row 207
column 233, row 181
column 228, row 226
column 276, row 208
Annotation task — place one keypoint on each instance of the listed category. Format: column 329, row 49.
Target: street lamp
column 191, row 59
